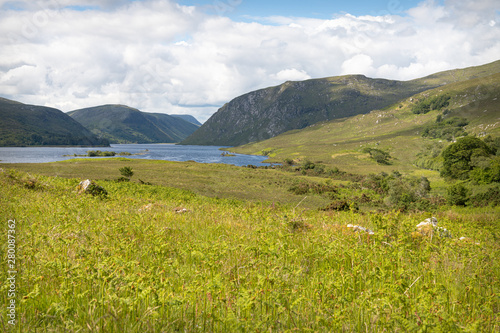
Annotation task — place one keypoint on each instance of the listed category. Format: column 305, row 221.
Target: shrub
column 312, row 188
column 430, row 104
column 402, row 192
column 126, row 172
column 490, row 197
column 380, row 156
column 308, row 165
column 341, row 205
column 457, row 194
column 447, row 130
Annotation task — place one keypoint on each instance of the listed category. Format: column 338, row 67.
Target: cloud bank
column 159, row 56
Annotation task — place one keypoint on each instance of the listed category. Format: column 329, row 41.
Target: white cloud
column 291, row 74
column 158, row 56
column 359, row 64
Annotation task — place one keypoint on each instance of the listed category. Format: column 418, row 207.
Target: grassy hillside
column 396, row 130
column 32, row 125
column 265, row 113
column 131, row 262
column 123, row 124
column 187, row 117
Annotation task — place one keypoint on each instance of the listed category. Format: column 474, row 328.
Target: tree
column 457, row 194
column 457, row 157
column 126, row 172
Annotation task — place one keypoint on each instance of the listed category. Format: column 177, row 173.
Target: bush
column 308, row 165
column 340, row 205
column 447, row 130
column 402, row 192
column 126, row 172
column 380, row 156
column 457, row 194
column 312, row 188
column 430, row 104
column 491, row 197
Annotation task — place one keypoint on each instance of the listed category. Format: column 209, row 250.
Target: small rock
column 180, row 210
column 146, row 208
column 357, row 228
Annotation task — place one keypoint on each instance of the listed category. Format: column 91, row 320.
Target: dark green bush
column 126, row 172
column 430, row 104
column 457, row 194
column 380, row 156
column 312, row 188
column 340, row 205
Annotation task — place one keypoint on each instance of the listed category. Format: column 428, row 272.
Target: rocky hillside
column 32, row 125
column 265, row 113
column 123, row 124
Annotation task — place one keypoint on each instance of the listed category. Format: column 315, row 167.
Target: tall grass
column 131, row 263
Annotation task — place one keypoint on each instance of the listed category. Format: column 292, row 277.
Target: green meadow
column 185, row 247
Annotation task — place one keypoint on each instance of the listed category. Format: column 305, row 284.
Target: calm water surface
column 168, row 152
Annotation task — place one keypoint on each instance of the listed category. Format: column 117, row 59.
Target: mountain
column 413, row 140
column 123, row 124
column 28, row 125
column 188, row 118
column 265, row 113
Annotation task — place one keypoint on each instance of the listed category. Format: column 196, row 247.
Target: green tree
column 457, row 157
column 126, row 172
column 457, row 194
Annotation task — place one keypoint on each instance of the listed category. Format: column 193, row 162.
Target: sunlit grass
column 131, row 263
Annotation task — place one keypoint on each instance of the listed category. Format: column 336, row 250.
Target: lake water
column 168, row 152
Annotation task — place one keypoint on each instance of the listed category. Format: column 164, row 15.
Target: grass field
column 129, row 262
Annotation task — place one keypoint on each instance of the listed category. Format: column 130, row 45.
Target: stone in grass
column 357, row 228
column 90, row 187
column 180, row 210
column 429, row 227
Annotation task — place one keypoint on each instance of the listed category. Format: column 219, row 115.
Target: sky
column 193, row 56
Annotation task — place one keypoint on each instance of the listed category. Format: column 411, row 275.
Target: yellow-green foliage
column 137, row 262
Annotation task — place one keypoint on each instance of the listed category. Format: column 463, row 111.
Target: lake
column 168, row 152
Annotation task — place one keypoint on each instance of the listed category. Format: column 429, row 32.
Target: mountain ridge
column 267, row 112
column 124, row 124
column 34, row 125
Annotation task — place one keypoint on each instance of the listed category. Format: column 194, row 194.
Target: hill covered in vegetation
column 123, row 124
column 413, row 132
column 32, row 125
column 187, row 117
column 265, row 113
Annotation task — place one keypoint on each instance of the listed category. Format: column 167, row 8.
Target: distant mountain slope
column 187, row 117
column 397, row 130
column 27, row 125
column 123, row 124
column 265, row 113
